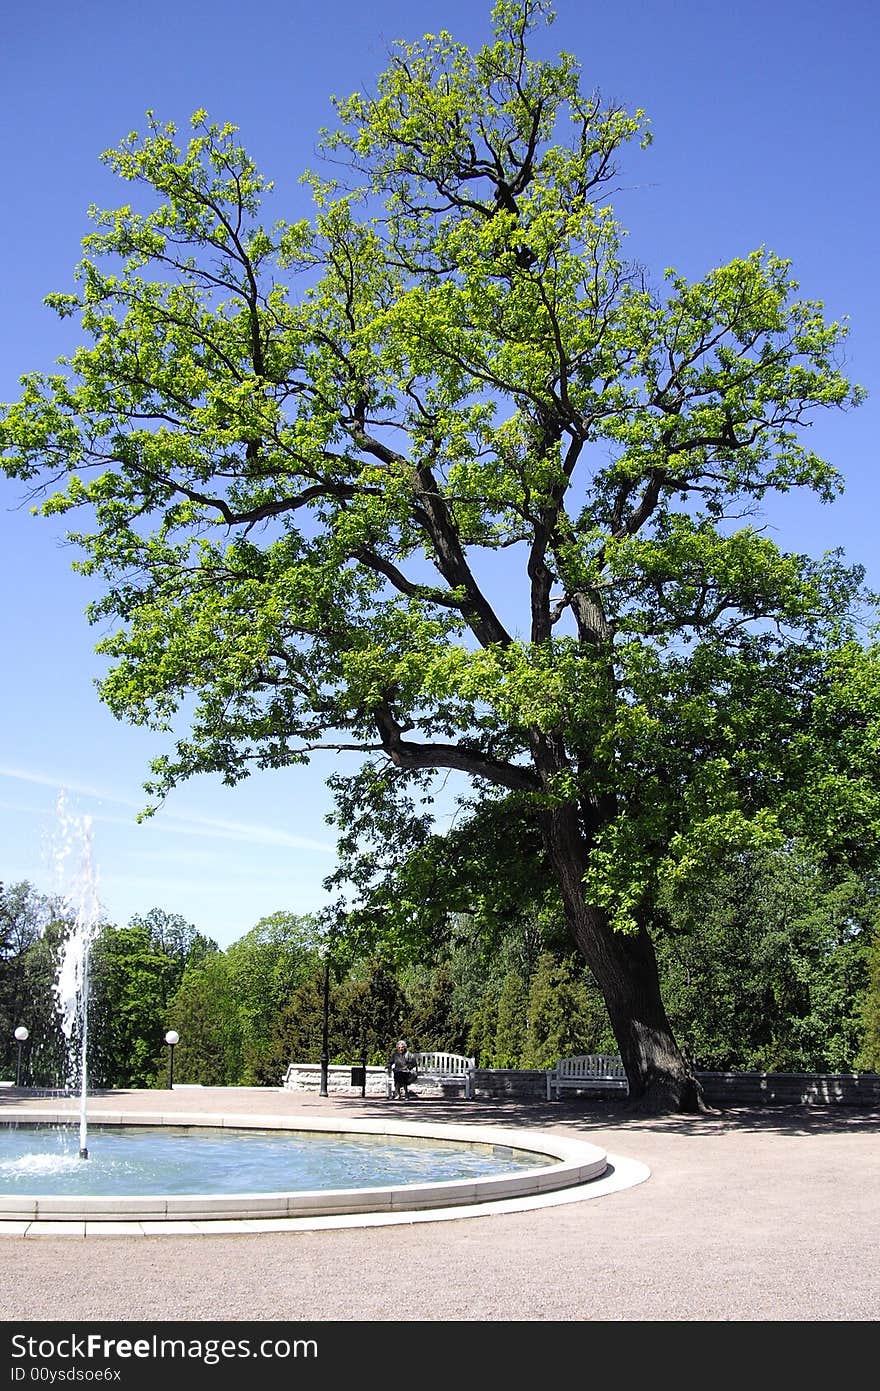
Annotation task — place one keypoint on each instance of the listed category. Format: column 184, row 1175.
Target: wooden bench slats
column 604, row 1071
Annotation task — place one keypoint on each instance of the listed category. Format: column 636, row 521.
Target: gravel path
column 752, row 1214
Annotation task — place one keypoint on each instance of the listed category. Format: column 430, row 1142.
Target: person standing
column 402, row 1066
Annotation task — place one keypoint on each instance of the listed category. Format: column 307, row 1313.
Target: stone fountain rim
column 573, row 1162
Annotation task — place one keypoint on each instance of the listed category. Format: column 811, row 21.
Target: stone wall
column 306, row 1077
column 720, row 1088
column 508, row 1081
column 791, row 1088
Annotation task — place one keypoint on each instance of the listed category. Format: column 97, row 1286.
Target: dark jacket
column 402, row 1062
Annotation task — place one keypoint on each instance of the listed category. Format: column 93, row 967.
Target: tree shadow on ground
column 583, row 1116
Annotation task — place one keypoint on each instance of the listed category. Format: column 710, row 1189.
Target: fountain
column 72, row 981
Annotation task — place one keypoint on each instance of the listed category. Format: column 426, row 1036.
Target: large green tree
column 765, row 963
column 32, row 928
column 264, row 968
column 205, row 1013
column 131, row 979
column 869, row 1056
column 434, row 474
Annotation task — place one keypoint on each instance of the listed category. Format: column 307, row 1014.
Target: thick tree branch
column 410, row 755
column 427, row 592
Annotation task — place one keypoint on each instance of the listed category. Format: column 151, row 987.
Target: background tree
column 764, row 964
column 131, row 980
column 205, row 1013
column 32, row 926
column 474, row 499
column 265, row 967
column 371, row 1007
column 566, row 1015
column 21, row 922
column 432, row 1020
column 511, row 1020
column 869, row 1054
column 298, row 1034
column 180, row 941
column 134, row 973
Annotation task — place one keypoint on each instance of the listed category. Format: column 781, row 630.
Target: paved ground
column 764, row 1214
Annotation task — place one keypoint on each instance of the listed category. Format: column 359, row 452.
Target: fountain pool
column 499, row 1164
column 147, row 1159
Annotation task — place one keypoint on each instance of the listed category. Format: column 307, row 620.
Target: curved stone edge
column 573, row 1163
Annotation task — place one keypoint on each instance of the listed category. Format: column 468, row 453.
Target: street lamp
column 171, row 1038
column 21, row 1035
column 325, row 1032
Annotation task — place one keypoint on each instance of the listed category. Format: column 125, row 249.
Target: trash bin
column 358, row 1076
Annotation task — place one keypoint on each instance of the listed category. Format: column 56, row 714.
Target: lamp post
column 325, row 1031
column 171, row 1038
column 21, row 1035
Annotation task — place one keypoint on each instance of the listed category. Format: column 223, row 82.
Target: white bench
column 587, row 1072
column 442, row 1068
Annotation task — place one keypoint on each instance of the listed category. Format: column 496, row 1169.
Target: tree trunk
column 625, row 968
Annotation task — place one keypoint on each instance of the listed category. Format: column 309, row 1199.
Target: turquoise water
column 140, row 1159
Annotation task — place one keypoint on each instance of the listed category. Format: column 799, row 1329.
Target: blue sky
column 766, row 128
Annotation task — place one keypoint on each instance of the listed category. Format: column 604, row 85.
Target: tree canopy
column 432, row 473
